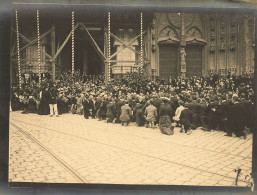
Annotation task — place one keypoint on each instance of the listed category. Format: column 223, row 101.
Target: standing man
column 53, row 101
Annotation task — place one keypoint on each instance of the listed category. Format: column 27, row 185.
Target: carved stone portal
column 212, row 34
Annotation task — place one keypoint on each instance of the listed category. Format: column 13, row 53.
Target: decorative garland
column 141, row 42
column 109, row 46
column 72, row 44
column 18, row 48
column 38, row 49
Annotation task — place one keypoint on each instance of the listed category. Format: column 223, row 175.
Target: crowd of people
column 212, row 102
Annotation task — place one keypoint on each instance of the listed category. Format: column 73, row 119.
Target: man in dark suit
column 119, row 103
column 53, row 101
column 202, row 108
column 186, row 119
column 194, row 108
column 213, row 115
column 247, row 108
column 86, row 106
column 237, row 118
column 224, row 112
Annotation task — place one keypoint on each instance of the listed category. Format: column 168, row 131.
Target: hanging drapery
column 109, row 46
column 18, row 48
column 38, row 49
column 72, row 43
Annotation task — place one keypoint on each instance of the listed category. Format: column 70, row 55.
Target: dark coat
column 186, row 117
column 53, row 96
column 237, row 118
column 111, row 111
column 139, row 115
column 43, row 108
column 103, row 109
column 166, row 110
column 194, row 108
column 32, row 106
column 118, row 106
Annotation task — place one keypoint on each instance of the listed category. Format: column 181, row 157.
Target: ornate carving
column 174, row 19
column 222, row 33
column 183, row 59
column 233, row 33
column 250, row 24
column 153, row 34
column 168, row 32
column 189, row 19
column 193, row 33
column 212, row 34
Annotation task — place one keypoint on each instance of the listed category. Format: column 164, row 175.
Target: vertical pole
column 72, row 42
column 106, row 55
column 141, row 39
column 53, row 52
column 141, row 43
column 109, row 46
column 18, row 48
column 38, row 49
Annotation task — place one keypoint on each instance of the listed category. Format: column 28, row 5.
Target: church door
column 193, row 60
column 168, row 61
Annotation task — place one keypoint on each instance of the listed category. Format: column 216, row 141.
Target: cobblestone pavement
column 72, row 149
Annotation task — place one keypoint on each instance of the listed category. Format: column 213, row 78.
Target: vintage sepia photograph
column 131, row 96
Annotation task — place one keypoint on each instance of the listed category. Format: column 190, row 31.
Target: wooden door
column 168, row 61
column 193, row 60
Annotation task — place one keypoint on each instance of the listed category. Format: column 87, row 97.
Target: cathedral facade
column 173, row 44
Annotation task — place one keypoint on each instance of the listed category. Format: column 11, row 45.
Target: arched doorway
column 194, row 60
column 168, row 60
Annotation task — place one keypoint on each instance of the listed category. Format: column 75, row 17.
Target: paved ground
column 75, row 150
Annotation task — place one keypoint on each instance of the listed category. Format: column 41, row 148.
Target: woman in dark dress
column 139, row 115
column 15, row 103
column 165, row 123
column 43, row 108
column 110, row 107
column 102, row 110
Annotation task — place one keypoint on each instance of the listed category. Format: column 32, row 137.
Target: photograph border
column 5, row 22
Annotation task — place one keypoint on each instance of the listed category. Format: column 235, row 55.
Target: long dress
column 43, row 108
column 139, row 115
column 15, row 103
column 165, row 123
